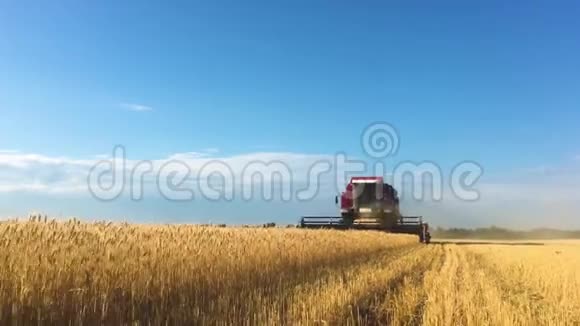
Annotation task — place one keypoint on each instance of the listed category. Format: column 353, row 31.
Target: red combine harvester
column 370, row 204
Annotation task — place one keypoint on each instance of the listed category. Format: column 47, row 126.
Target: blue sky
column 493, row 82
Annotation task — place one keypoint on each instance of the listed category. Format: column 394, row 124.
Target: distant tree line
column 497, row 233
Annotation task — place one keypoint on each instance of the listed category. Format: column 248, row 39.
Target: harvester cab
column 370, row 203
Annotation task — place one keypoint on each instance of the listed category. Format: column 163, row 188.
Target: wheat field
column 75, row 273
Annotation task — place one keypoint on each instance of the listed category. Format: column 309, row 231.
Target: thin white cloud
column 530, row 198
column 543, row 191
column 136, row 107
column 41, row 173
column 25, row 160
column 187, row 156
column 545, row 183
column 533, row 194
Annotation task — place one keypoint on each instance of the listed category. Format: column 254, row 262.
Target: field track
column 103, row 273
